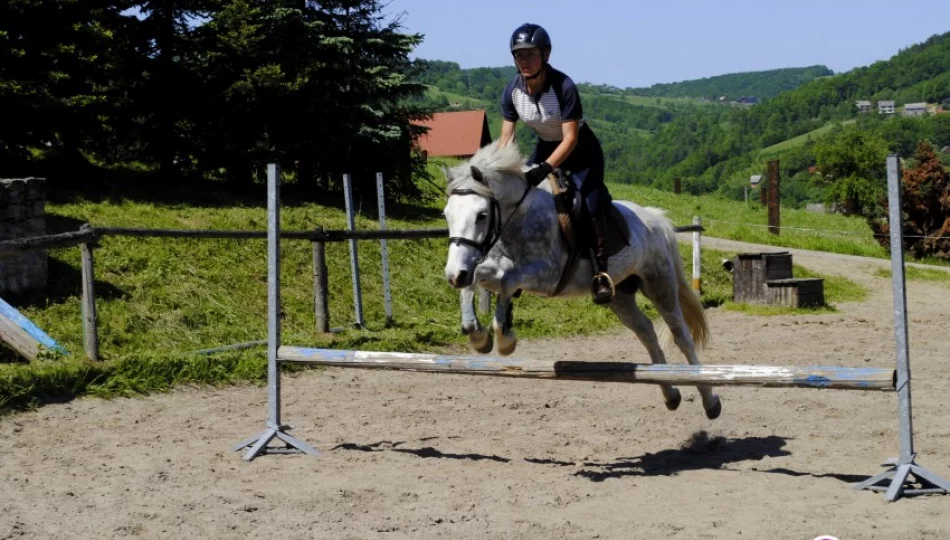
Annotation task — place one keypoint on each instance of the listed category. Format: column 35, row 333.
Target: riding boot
column 602, row 287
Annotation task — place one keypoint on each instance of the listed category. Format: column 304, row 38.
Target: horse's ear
column 477, row 175
column 445, row 171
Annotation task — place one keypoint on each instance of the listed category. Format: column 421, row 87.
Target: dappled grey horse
column 505, row 237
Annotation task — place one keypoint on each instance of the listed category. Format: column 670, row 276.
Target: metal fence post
column 384, row 249
column 354, row 254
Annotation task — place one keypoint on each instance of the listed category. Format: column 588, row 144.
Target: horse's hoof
column 674, row 403
column 508, row 348
column 481, row 341
column 713, row 412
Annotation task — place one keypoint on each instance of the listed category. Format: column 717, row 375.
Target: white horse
column 504, row 236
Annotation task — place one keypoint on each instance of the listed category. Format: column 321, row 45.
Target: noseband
column 495, row 227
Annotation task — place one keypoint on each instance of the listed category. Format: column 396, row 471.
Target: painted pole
column 384, row 249
column 354, row 254
column 622, row 372
column 697, row 255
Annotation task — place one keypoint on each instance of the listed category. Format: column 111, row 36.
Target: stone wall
column 22, row 214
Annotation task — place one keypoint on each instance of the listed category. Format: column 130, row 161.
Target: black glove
column 537, row 175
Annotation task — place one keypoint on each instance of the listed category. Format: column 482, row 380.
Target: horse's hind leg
column 480, row 338
column 625, row 307
column 667, row 303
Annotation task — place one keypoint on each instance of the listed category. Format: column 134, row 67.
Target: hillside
column 761, row 84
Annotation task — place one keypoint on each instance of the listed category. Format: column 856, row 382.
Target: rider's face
column 528, row 61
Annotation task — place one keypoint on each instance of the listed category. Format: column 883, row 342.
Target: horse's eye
column 481, row 216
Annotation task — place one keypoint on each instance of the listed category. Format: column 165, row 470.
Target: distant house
column 915, row 109
column 885, row 107
column 454, row 134
column 945, row 149
column 748, row 101
column 863, row 105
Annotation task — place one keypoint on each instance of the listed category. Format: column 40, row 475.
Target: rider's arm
column 569, row 131
column 507, row 133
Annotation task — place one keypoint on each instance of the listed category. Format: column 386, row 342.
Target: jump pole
column 621, row 372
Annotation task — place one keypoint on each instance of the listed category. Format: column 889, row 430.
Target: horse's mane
column 492, row 161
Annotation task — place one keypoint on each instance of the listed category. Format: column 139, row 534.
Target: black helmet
column 529, row 36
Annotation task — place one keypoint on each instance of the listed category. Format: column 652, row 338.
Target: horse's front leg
column 531, row 277
column 480, row 338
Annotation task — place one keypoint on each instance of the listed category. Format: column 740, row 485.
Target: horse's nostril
column 462, row 277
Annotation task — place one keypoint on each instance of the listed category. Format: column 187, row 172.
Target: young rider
column 547, row 101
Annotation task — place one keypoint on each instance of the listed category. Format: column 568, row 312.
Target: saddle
column 575, row 225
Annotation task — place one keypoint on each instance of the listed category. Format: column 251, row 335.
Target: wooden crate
column 751, row 271
column 796, row 292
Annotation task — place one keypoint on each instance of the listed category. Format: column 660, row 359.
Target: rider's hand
column 537, row 175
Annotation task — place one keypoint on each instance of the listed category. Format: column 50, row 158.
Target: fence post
column 384, row 250
column 321, row 304
column 89, row 319
column 697, row 255
column 773, row 197
column 354, row 255
column 677, row 185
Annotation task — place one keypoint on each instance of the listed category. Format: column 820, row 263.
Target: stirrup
column 599, row 279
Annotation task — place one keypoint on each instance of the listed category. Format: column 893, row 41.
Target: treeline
column 207, row 89
column 761, row 84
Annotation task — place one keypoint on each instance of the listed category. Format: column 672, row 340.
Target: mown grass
column 159, row 300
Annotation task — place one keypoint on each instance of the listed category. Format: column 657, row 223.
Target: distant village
column 887, row 107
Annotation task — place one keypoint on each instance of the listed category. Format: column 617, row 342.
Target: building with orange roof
column 454, row 134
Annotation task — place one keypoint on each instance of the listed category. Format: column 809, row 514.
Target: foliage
column 761, row 84
column 850, row 162
column 209, row 89
column 925, row 198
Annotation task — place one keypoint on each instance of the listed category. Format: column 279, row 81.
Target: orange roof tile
column 457, row 134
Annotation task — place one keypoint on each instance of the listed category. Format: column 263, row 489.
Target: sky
column 632, row 43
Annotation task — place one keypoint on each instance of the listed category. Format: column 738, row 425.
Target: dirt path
column 423, row 456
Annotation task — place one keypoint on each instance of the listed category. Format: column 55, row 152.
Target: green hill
column 761, row 84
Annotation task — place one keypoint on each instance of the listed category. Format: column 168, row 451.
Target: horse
column 504, row 236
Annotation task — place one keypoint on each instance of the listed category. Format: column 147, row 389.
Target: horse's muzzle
column 461, row 279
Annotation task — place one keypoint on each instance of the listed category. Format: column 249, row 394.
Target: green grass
column 918, row 274
column 800, row 140
column 662, row 102
column 735, row 221
column 158, row 300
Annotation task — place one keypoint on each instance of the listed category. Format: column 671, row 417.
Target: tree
column 851, row 168
column 926, row 207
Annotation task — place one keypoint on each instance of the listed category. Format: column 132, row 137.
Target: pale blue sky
column 635, row 43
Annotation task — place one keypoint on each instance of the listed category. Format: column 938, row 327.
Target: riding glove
column 537, row 175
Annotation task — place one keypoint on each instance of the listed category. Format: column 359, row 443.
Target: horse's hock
column 22, row 215
column 766, row 279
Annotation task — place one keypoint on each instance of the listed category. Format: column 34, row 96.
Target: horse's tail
column 689, row 301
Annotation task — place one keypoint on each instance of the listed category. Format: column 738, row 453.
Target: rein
column 495, row 229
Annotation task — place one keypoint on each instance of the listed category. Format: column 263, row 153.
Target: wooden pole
column 625, row 372
column 677, row 185
column 90, row 321
column 321, row 303
column 774, row 197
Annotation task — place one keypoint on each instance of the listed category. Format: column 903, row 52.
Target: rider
column 547, row 101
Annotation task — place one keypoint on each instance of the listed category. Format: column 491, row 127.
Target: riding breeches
column 585, row 166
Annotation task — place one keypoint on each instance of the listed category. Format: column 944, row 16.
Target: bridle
column 495, row 227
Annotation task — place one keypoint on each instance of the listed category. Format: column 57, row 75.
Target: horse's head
column 476, row 190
